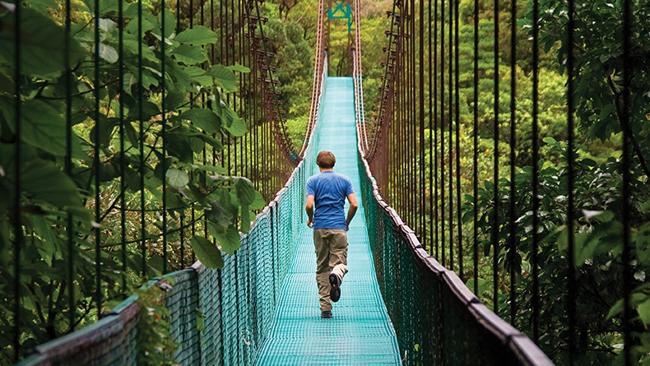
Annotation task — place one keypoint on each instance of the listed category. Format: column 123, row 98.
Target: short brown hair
column 326, row 159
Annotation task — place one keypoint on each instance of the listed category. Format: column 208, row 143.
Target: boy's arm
column 309, row 208
column 352, row 198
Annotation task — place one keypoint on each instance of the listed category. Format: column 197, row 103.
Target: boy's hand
column 310, row 223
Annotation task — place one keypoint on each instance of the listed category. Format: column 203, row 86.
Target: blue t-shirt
column 329, row 190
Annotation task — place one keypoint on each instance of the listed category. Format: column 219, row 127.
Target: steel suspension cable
column 442, row 131
column 143, row 230
column 459, row 218
column 181, row 218
column 450, row 115
column 237, row 167
column 535, row 175
column 512, row 213
column 495, row 177
column 431, row 226
column 164, row 132
column 18, row 226
column 475, row 151
column 421, row 210
column 192, row 208
column 435, row 126
column 571, row 288
column 120, row 71
column 96, row 162
column 626, row 186
column 413, row 121
column 68, row 164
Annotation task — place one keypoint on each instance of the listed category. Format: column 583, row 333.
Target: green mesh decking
column 360, row 332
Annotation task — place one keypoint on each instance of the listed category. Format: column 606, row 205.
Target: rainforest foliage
column 91, row 146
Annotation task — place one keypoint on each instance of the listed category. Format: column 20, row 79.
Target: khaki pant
column 331, row 257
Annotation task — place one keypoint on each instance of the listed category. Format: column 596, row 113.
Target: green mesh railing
column 218, row 317
column 438, row 320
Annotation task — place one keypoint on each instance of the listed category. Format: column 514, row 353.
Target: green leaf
column 207, row 252
column 258, row 202
column 224, row 78
column 199, row 76
column 245, row 191
column 179, row 145
column 209, row 168
column 44, row 181
column 198, row 36
column 177, row 178
column 211, row 140
column 642, row 241
column 200, row 321
column 47, row 248
column 203, row 118
column 228, row 240
column 108, row 53
column 132, row 28
column 106, row 127
column 234, row 125
column 170, row 26
column 585, row 245
column 43, row 128
column 239, row 68
column 41, row 43
column 644, row 311
column 190, row 55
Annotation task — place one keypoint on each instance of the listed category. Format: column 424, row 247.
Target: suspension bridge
column 404, row 301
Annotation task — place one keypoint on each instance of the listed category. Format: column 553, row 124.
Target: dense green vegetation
column 115, row 139
column 598, row 229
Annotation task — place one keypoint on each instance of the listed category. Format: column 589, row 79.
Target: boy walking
column 326, row 192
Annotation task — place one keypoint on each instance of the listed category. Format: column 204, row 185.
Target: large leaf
column 41, row 40
column 239, row 68
column 108, row 53
column 224, row 77
column 207, row 252
column 177, row 178
column 198, row 36
column 199, row 76
column 585, row 247
column 228, row 240
column 258, row 202
column 179, row 145
column 43, row 127
column 203, row 118
column 245, row 191
column 44, row 181
column 233, row 123
column 106, row 127
column 47, row 247
column 644, row 311
column 190, row 55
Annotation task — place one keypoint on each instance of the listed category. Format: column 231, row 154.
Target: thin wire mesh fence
column 216, row 317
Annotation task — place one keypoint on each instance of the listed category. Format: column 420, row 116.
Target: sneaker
column 335, row 291
column 326, row 314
